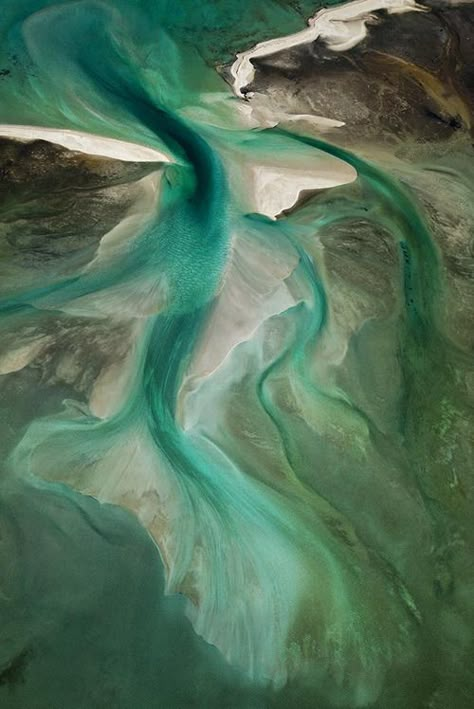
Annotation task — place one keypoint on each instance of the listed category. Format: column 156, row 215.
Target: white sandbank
column 268, row 182
column 86, row 143
column 274, row 188
column 340, row 27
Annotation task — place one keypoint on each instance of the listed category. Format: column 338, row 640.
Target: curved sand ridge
column 86, row 143
column 340, row 27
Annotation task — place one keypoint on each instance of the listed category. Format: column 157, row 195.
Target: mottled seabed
column 236, row 354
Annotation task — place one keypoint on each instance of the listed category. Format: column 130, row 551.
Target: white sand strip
column 340, row 27
column 86, row 143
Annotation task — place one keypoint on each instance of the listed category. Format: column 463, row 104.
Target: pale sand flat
column 86, row 143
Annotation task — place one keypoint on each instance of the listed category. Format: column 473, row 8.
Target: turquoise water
column 273, row 577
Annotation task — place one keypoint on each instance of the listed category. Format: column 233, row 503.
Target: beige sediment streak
column 86, row 143
column 339, row 27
